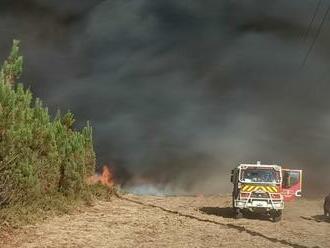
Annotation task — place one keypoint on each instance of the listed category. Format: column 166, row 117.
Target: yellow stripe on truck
column 250, row 188
column 247, row 188
column 270, row 189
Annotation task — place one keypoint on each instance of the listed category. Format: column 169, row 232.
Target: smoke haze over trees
column 179, row 92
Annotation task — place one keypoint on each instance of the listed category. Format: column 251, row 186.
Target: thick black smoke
column 179, row 92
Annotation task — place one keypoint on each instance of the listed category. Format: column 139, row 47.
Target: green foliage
column 39, row 157
column 68, row 120
column 13, row 66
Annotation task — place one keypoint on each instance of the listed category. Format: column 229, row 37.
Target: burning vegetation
column 105, row 178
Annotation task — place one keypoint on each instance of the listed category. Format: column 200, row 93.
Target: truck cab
column 257, row 188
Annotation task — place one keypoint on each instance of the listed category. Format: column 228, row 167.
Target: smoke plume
column 179, row 92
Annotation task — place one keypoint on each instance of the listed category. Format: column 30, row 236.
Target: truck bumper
column 259, row 204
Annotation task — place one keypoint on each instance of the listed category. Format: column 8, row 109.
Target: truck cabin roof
column 261, row 166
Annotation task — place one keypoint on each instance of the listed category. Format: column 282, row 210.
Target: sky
column 180, row 92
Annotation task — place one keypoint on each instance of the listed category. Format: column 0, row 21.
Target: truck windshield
column 260, row 175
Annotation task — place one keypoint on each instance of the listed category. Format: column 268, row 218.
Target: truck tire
column 326, row 206
column 276, row 216
column 326, row 213
column 238, row 213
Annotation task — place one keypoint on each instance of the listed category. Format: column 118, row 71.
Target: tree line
column 40, row 155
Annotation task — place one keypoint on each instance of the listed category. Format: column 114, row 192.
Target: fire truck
column 264, row 188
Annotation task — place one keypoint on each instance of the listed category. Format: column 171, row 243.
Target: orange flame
column 105, row 178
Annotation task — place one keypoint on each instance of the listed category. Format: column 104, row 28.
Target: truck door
column 291, row 184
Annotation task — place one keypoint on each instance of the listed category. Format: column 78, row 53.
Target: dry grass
column 174, row 222
column 37, row 210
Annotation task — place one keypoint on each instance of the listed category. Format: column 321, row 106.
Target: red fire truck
column 264, row 188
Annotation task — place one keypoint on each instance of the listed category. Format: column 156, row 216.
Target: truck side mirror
column 231, row 178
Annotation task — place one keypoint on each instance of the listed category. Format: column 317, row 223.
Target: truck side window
column 290, row 178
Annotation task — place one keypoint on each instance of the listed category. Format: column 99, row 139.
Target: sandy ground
column 148, row 221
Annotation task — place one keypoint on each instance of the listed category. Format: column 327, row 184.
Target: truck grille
column 259, row 195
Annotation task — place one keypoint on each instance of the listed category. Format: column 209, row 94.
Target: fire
column 105, row 178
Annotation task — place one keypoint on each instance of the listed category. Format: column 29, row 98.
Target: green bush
column 39, row 156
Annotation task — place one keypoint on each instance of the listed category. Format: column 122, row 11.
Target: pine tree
column 13, row 66
column 38, row 156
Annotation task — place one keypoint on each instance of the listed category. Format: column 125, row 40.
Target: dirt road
column 147, row 221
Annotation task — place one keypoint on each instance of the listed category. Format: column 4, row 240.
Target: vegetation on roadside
column 44, row 161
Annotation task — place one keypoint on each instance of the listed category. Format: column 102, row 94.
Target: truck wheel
column 238, row 213
column 326, row 213
column 277, row 216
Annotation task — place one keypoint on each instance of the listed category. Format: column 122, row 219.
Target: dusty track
column 145, row 221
